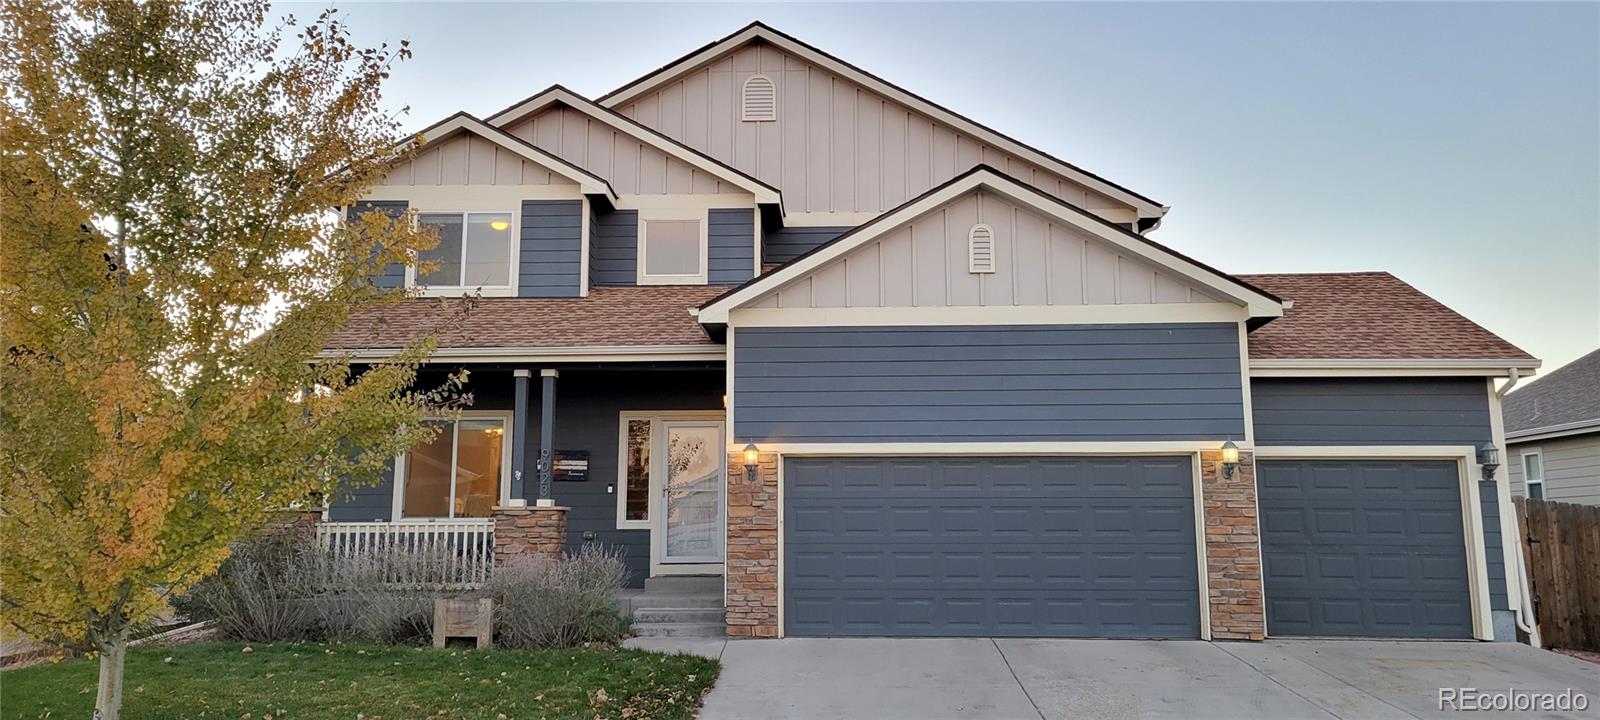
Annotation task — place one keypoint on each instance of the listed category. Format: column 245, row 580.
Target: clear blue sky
column 1456, row 145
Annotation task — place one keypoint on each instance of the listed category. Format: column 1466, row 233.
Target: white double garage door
column 1107, row 547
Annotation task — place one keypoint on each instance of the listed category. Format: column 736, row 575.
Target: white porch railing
column 455, row 554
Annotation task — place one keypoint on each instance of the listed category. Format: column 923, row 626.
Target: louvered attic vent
column 760, row 99
column 980, row 249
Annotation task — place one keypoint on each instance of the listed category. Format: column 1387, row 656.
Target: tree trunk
column 108, row 702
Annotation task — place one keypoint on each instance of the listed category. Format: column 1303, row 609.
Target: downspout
column 1525, row 619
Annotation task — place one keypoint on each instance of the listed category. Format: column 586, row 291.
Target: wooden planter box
column 463, row 617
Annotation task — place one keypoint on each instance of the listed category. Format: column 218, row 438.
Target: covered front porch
column 629, row 457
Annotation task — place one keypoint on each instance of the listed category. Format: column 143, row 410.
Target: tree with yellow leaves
column 171, row 262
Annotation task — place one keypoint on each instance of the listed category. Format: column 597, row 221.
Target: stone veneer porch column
column 1233, row 549
column 525, row 531
column 751, row 569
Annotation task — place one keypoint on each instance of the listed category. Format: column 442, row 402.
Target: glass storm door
column 691, row 494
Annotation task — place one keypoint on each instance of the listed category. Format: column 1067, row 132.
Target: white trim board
column 987, row 315
column 1379, row 367
column 983, row 177
column 881, row 449
column 1466, row 459
column 1580, row 427
column 1145, row 207
column 557, row 94
column 584, row 354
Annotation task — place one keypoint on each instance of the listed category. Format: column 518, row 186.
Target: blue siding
column 785, row 244
column 614, row 248
column 1370, row 411
column 367, row 503
column 394, row 274
column 552, row 239
column 1080, row 382
column 731, row 240
column 1494, row 554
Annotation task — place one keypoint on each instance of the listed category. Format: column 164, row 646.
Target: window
column 474, row 250
column 672, row 249
column 1533, row 473
column 760, row 99
column 636, row 471
column 460, row 473
column 980, row 249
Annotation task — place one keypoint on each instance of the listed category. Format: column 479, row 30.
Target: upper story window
column 672, row 248
column 474, row 250
column 760, row 99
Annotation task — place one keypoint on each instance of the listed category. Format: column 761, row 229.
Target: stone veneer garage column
column 1233, row 549
column 751, row 570
column 529, row 531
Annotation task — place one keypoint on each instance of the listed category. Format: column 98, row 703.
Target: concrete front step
column 708, row 615
column 679, row 629
column 627, row 603
column 684, row 584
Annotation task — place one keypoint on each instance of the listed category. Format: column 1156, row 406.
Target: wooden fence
column 1563, row 558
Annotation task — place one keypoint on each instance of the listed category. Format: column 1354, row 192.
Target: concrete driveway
column 1090, row 679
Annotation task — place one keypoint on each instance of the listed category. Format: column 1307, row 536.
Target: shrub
column 559, row 602
column 280, row 587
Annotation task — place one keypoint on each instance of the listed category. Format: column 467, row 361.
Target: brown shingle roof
column 610, row 316
column 1368, row 315
column 1569, row 395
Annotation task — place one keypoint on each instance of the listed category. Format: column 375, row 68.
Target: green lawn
column 371, row 682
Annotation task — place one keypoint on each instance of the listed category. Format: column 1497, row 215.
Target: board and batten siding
column 1176, row 381
column 393, row 275
column 785, row 244
column 550, row 258
column 631, row 166
column 731, row 238
column 467, row 159
column 1370, row 411
column 1571, row 468
column 835, row 146
column 1038, row 261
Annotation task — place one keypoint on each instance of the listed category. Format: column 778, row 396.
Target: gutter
column 1516, row 374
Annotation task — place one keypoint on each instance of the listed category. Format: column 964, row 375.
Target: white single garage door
column 990, row 546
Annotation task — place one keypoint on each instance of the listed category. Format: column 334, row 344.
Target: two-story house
column 763, row 316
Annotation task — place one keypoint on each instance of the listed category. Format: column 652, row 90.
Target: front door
column 691, row 492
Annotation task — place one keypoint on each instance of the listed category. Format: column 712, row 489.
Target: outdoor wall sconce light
column 1489, row 459
column 752, row 458
column 1230, row 459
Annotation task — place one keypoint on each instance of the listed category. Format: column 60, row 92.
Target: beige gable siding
column 1038, row 261
column 1571, row 468
column 836, row 146
column 467, row 159
column 632, row 167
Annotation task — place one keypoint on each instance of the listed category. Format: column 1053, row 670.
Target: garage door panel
column 1364, row 548
column 1022, row 547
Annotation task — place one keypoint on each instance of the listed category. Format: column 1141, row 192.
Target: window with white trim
column 475, row 250
column 1533, row 473
column 462, row 472
column 759, row 100
column 672, row 248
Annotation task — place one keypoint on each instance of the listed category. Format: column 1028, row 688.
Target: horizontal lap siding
column 731, row 238
column 614, row 248
column 393, row 275
column 1494, row 554
column 886, row 384
column 550, row 261
column 783, row 245
column 364, row 503
column 1370, row 411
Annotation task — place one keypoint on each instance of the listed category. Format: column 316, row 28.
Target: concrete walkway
column 1091, row 679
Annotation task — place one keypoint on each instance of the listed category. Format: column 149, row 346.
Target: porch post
column 547, row 423
column 519, row 435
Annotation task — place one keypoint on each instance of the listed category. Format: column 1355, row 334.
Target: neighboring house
column 981, row 400
column 1553, row 433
